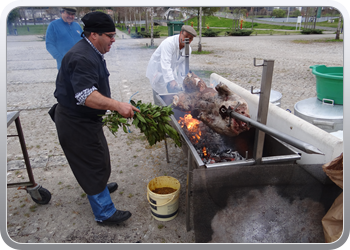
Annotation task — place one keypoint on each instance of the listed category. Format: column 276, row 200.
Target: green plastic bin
column 329, row 83
column 174, row 27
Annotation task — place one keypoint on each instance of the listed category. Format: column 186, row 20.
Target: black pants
column 85, row 146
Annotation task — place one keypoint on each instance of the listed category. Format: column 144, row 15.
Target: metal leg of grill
column 24, row 151
column 166, row 150
column 188, row 190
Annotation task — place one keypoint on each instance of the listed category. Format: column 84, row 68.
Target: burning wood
column 192, row 127
column 208, row 144
column 226, row 155
column 204, row 104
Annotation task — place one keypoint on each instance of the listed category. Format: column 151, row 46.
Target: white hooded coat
column 166, row 64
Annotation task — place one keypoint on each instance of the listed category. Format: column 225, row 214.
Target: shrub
column 311, row 31
column 144, row 34
column 136, row 35
column 210, row 33
column 240, row 32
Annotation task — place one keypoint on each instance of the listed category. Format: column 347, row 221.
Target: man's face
column 104, row 42
column 184, row 35
column 68, row 16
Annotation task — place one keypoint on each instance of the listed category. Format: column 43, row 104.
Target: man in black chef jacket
column 83, row 95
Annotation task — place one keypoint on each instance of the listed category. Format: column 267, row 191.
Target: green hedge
column 240, row 32
column 210, row 33
column 311, row 31
column 144, row 34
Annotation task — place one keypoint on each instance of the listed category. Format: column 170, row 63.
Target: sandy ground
column 68, row 218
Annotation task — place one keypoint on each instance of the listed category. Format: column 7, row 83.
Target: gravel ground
column 68, row 218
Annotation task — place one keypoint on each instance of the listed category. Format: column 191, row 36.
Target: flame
column 192, row 126
column 205, row 151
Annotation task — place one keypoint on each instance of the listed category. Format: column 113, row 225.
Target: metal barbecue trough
column 275, row 151
column 260, row 146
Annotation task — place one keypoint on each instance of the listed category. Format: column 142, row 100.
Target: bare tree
column 139, row 11
column 146, row 13
column 33, row 16
column 12, row 18
column 22, row 13
column 152, row 42
column 339, row 27
column 52, row 11
column 200, row 30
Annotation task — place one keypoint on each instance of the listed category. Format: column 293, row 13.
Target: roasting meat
column 205, row 103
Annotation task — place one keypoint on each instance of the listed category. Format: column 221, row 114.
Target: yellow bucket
column 164, row 207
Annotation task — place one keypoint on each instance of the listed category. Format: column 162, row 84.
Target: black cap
column 98, row 22
column 71, row 9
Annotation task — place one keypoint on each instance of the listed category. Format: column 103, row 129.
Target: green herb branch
column 153, row 122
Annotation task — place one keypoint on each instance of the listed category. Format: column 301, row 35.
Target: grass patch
column 228, row 23
column 327, row 24
column 273, row 32
column 39, row 29
column 325, row 40
column 203, row 52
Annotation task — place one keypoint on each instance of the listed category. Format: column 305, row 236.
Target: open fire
column 192, row 127
column 208, row 144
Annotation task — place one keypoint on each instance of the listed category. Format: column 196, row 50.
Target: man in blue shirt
column 62, row 34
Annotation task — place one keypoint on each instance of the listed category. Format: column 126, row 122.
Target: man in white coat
column 166, row 68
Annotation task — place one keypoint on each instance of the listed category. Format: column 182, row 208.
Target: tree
column 52, row 11
column 278, row 13
column 206, row 11
column 296, row 13
column 12, row 18
column 152, row 40
column 200, row 30
column 238, row 14
column 338, row 28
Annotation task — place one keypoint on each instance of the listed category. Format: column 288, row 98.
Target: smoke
column 263, row 216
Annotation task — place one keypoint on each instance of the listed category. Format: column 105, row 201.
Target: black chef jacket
column 82, row 68
column 80, row 128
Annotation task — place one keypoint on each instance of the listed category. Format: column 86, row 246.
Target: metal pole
column 200, row 30
column 187, row 56
column 188, row 191
column 263, row 107
column 24, row 151
column 303, row 146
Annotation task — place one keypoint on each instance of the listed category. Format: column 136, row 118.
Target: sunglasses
column 111, row 36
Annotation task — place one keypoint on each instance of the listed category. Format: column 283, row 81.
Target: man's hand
column 97, row 101
column 173, row 87
column 126, row 109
